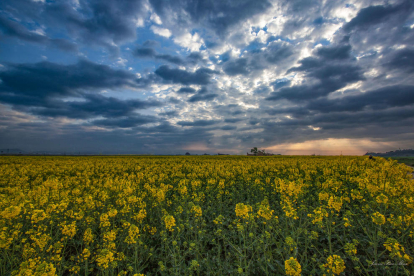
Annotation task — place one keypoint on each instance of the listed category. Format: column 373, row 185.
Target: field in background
column 205, row 215
column 406, row 160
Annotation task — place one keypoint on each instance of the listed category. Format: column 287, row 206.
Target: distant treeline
column 404, row 152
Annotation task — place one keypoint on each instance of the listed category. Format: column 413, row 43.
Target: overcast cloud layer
column 165, row 77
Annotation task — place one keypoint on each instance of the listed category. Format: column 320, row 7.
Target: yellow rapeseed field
column 205, row 215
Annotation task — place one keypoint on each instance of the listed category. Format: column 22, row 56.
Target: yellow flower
column 335, row 264
column 112, row 213
column 169, row 222
column 350, row 249
column 292, row 267
column 38, row 215
column 105, row 258
column 88, row 236
column 335, row 203
column 69, row 229
column 133, row 234
column 11, row 212
column 86, row 254
column 243, row 210
column 197, row 211
column 378, row 218
column 265, row 212
column 104, row 220
column 396, row 249
column 382, row 198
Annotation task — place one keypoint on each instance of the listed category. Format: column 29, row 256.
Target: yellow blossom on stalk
column 378, row 218
column 292, row 267
column 318, row 215
column 323, row 196
column 335, row 203
column 382, row 198
column 289, row 210
column 397, row 250
column 85, row 254
column 88, row 236
column 69, row 229
column 104, row 220
column 35, row 268
column 196, row 210
column 105, row 258
column 141, row 215
column 38, row 215
column 112, row 213
column 335, row 264
column 350, row 249
column 11, row 212
column 218, row 220
column 347, row 222
column 264, row 211
column 109, row 236
column 75, row 269
column 169, row 222
column 133, row 234
column 152, row 230
column 243, row 210
column 291, row 243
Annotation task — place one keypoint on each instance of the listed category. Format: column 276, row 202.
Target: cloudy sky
column 166, row 77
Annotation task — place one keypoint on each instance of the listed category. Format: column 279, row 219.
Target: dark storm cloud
column 198, row 123
column 14, row 29
column 195, row 58
column 93, row 106
column 228, row 127
column 386, row 97
column 41, row 89
column 126, row 122
column 402, row 60
column 201, row 76
column 338, row 52
column 172, row 113
column 373, row 15
column 330, row 75
column 45, row 79
column 150, row 43
column 216, row 15
column 98, row 22
column 233, row 120
column 185, row 90
column 202, row 97
column 151, row 53
column 236, row 67
column 257, row 60
column 145, row 52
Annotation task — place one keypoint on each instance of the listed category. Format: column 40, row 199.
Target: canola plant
column 205, row 215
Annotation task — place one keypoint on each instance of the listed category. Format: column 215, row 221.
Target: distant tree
column 187, row 153
column 254, row 150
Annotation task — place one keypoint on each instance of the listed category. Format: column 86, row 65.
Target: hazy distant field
column 205, row 215
column 406, row 160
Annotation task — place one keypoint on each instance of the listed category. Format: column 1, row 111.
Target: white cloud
column 139, row 22
column 161, row 31
column 39, row 31
column 121, row 61
column 156, row 19
column 190, row 42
